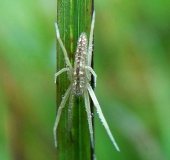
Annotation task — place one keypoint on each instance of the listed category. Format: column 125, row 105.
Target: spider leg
column 70, row 108
column 59, row 72
column 91, row 40
column 62, row 105
column 101, row 116
column 93, row 73
column 62, row 46
column 87, row 106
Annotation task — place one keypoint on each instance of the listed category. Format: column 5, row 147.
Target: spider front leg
column 62, row 105
column 62, row 46
column 101, row 116
column 90, row 47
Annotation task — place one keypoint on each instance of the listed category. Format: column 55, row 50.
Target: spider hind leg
column 62, row 105
column 101, row 116
column 89, row 116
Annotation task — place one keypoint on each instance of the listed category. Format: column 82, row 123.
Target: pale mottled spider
column 80, row 76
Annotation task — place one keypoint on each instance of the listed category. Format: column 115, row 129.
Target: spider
column 80, row 76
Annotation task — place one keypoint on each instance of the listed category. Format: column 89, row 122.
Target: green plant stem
column 73, row 18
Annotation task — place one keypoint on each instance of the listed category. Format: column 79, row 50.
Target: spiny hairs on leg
column 101, row 116
column 89, row 116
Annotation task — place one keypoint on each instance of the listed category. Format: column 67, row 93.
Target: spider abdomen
column 79, row 75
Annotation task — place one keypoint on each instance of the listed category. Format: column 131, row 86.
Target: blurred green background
column 132, row 61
